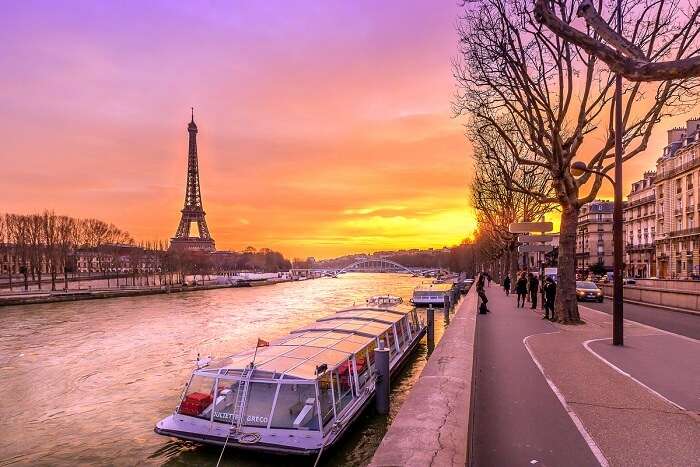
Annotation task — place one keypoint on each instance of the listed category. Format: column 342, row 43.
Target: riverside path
column 685, row 324
column 518, row 420
column 547, row 394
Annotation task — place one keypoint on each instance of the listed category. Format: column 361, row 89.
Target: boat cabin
column 300, row 385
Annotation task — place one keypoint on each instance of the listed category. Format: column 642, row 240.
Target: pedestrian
column 488, row 278
column 521, row 290
column 506, row 284
column 542, row 284
column 550, row 293
column 483, row 309
column 534, row 287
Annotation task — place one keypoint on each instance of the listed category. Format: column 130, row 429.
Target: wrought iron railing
column 676, row 170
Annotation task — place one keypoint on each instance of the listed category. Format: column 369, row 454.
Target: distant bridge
column 375, row 265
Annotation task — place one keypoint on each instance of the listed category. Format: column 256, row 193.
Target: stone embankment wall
column 432, row 427
column 681, row 295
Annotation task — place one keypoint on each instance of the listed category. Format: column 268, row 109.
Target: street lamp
column 577, row 169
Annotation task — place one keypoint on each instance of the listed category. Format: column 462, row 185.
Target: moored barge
column 431, row 294
column 297, row 395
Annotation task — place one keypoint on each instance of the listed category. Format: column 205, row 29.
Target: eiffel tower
column 193, row 211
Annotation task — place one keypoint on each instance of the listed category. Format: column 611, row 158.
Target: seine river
column 85, row 382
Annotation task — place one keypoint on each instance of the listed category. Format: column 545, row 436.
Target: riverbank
column 35, row 297
column 432, row 427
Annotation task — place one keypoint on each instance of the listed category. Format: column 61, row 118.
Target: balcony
column 639, row 247
column 684, row 232
column 690, row 208
column 678, row 211
column 583, row 254
column 671, row 172
column 637, row 202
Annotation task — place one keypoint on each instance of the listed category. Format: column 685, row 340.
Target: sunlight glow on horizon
column 324, row 128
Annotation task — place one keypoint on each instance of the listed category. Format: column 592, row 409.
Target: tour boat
column 430, row 294
column 384, row 300
column 297, row 395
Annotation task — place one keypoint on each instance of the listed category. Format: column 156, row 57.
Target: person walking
column 506, row 284
column 534, row 287
column 550, row 293
column 521, row 290
column 488, row 278
column 483, row 309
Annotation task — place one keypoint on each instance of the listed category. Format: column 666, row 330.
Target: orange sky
column 324, row 130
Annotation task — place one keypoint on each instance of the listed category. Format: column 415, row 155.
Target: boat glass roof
column 331, row 341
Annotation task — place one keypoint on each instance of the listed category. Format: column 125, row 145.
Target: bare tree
column 67, row 241
column 502, row 192
column 49, row 224
column 18, row 236
column 675, row 57
column 5, row 249
column 539, row 92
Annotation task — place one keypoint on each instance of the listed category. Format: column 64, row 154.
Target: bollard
column 446, row 309
column 431, row 328
column 381, row 359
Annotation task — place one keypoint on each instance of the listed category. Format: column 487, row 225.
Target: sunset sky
column 325, row 126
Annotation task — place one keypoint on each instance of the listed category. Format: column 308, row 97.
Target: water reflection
column 85, row 382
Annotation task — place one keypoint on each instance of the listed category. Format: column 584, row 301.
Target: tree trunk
column 565, row 303
column 53, row 277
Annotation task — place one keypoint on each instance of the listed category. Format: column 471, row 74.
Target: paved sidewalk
column 632, row 424
column 518, row 420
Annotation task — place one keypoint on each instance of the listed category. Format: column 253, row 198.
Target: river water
column 85, row 382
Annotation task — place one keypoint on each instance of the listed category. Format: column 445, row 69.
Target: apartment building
column 594, row 239
column 677, row 183
column 640, row 228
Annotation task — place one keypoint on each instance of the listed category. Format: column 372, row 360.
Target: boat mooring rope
column 318, row 458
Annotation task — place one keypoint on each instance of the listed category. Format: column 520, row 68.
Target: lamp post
column 577, row 169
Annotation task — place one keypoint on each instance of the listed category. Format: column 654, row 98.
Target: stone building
column 677, row 193
column 594, row 240
column 640, row 228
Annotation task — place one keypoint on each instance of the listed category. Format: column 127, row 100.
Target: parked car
column 628, row 281
column 587, row 290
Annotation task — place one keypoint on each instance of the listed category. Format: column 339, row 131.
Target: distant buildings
column 676, row 182
column 661, row 228
column 594, row 239
column 640, row 227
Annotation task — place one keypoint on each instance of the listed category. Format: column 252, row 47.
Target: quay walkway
column 514, row 389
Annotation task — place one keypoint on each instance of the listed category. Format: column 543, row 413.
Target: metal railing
column 684, row 232
column 637, row 202
column 676, row 170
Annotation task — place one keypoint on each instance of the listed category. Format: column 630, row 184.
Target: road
column 517, row 418
column 684, row 324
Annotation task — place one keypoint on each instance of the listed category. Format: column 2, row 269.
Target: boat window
column 361, row 363
column 401, row 334
column 259, row 404
column 370, row 352
column 224, row 406
column 198, row 398
column 296, row 408
column 388, row 338
column 326, row 398
column 342, row 382
column 414, row 320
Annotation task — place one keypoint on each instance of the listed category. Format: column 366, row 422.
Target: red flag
column 262, row 343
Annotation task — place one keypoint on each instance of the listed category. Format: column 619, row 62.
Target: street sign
column 535, row 238
column 534, row 248
column 527, row 227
